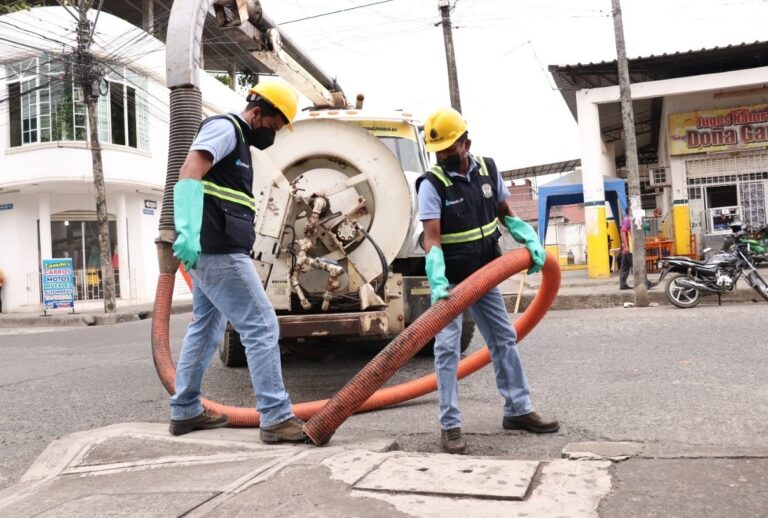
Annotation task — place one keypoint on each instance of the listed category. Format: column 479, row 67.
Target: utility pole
column 88, row 76
column 453, row 79
column 630, row 151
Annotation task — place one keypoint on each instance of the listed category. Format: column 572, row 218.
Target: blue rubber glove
column 523, row 233
column 188, row 218
column 436, row 274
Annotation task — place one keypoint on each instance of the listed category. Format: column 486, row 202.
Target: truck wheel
column 467, row 332
column 231, row 350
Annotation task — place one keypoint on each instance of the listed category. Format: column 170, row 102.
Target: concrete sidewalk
column 139, row 469
column 88, row 315
column 577, row 291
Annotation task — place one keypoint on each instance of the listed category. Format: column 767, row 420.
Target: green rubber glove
column 436, row 274
column 188, row 218
column 523, row 233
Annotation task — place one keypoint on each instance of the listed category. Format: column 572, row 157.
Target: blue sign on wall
column 6, row 206
column 58, row 283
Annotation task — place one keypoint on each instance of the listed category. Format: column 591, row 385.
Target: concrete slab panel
column 450, row 475
column 127, row 449
column 304, row 492
column 65, row 490
column 144, row 505
column 567, row 489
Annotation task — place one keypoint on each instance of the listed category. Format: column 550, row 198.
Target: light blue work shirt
column 218, row 137
column 429, row 200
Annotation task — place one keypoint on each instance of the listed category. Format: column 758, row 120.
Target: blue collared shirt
column 429, row 200
column 218, row 137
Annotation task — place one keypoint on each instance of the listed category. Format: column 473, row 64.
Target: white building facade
column 703, row 116
column 47, row 196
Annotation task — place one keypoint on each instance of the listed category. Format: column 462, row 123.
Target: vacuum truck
column 338, row 241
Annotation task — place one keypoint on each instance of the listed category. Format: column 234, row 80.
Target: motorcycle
column 757, row 240
column 692, row 280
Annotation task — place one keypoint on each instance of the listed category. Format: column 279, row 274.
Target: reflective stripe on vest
column 440, row 175
column 483, row 167
column 470, row 235
column 237, row 125
column 232, row 195
column 446, row 180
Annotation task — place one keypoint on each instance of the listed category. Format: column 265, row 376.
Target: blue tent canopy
column 569, row 190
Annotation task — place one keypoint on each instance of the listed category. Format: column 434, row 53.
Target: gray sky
column 394, row 54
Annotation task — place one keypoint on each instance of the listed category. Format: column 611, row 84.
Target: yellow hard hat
column 443, row 128
column 280, row 95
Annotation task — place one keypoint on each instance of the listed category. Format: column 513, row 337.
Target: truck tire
column 231, row 350
column 467, row 332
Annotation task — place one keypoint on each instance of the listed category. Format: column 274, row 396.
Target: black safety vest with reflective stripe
column 469, row 226
column 228, row 205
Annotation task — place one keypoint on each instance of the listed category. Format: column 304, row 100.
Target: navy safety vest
column 469, row 225
column 229, row 208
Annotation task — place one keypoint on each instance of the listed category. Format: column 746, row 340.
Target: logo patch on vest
column 448, row 203
column 487, row 190
column 240, row 163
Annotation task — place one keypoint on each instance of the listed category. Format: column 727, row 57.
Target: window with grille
column 731, row 179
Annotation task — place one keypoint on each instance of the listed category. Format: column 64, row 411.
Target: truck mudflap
column 364, row 323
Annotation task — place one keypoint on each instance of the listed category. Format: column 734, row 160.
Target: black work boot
column 287, row 431
column 532, row 422
column 452, row 441
column 204, row 421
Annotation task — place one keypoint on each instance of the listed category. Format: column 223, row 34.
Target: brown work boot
column 452, row 441
column 204, row 421
column 532, row 422
column 287, row 431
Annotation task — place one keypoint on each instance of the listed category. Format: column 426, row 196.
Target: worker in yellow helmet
column 461, row 201
column 214, row 212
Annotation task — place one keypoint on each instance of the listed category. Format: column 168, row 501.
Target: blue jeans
column 227, row 287
column 490, row 315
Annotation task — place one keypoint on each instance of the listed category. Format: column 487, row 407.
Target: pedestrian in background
column 626, row 251
column 626, row 255
column 461, row 201
column 214, row 215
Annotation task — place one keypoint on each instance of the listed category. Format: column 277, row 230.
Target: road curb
column 84, row 319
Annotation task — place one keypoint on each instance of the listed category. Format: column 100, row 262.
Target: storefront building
column 701, row 120
column 47, row 195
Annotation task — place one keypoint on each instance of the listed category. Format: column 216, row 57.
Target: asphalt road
column 674, row 379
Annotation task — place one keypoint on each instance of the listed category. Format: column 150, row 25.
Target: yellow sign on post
column 387, row 128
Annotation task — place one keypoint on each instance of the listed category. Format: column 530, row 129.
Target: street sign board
column 58, row 278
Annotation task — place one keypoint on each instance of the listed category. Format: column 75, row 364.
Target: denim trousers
column 227, row 287
column 490, row 315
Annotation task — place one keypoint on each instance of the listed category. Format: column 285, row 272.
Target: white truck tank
column 337, row 233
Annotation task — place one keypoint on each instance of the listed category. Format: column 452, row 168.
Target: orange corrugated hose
column 361, row 394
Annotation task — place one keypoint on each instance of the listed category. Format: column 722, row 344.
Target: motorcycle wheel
column 681, row 296
column 758, row 284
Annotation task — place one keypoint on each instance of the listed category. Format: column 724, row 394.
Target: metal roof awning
column 541, row 170
column 571, row 78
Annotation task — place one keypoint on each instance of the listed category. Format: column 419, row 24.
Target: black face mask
column 452, row 163
column 262, row 137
